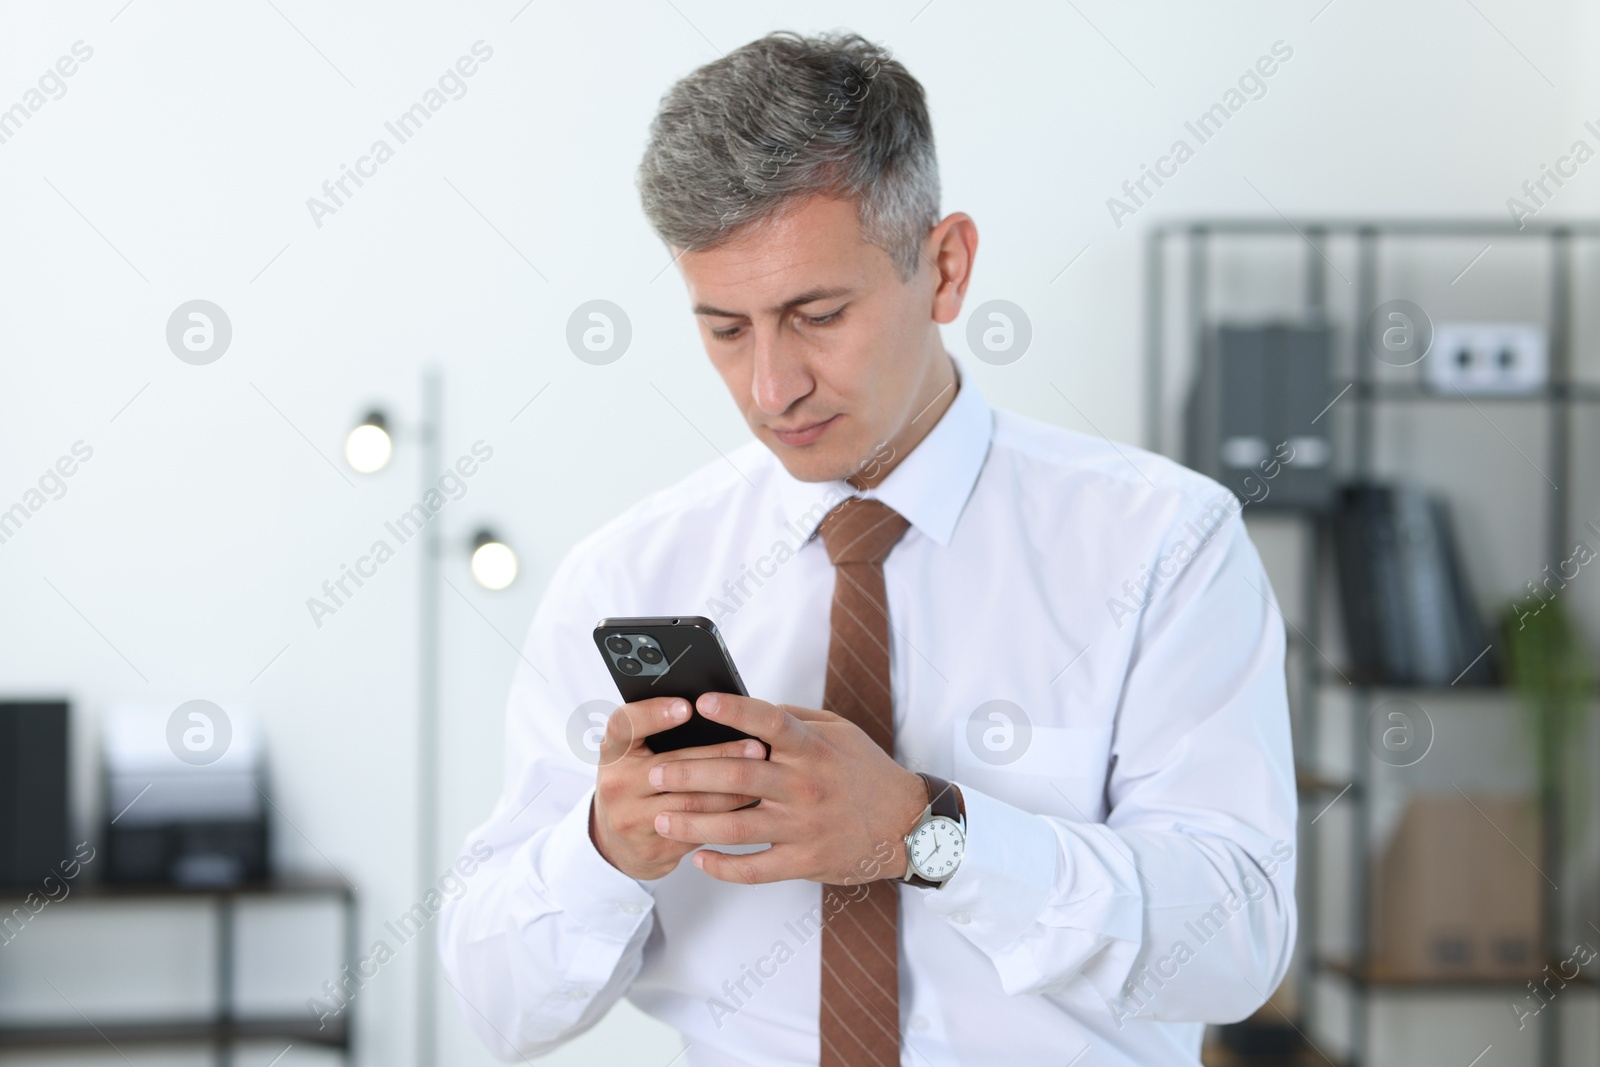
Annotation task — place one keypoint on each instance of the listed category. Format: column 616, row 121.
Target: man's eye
column 727, row 333
column 823, row 320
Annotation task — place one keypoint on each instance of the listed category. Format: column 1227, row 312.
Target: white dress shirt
column 1129, row 871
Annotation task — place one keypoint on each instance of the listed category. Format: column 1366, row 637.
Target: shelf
column 1283, row 226
column 1334, row 682
column 224, row 1029
column 1411, row 392
column 1330, row 680
column 1215, row 1055
column 290, row 885
column 1309, row 783
column 1381, row 396
column 1376, row 976
column 298, row 1028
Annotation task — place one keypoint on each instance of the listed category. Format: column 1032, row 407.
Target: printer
column 186, row 795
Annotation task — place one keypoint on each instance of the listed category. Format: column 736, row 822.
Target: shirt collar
column 930, row 486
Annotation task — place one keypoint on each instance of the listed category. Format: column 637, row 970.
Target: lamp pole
column 428, row 656
column 494, row 565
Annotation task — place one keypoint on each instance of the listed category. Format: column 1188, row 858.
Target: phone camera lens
column 620, row 645
column 649, row 654
column 629, row 665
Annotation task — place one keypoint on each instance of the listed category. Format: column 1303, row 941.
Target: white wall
column 178, row 164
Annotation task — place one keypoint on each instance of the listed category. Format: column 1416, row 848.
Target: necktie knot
column 859, row 530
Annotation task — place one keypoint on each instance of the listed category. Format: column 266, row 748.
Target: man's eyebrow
column 806, row 297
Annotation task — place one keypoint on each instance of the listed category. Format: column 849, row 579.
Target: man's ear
column 952, row 245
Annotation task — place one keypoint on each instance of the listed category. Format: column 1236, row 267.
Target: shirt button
column 631, row 907
column 919, row 1022
column 960, row 917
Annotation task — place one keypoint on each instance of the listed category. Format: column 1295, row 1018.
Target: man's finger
column 813, row 714
column 737, row 749
column 751, row 868
column 724, row 749
column 755, row 827
column 704, row 802
column 770, row 722
column 752, row 777
column 630, row 724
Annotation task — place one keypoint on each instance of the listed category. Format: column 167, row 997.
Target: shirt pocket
column 1048, row 770
column 1005, row 748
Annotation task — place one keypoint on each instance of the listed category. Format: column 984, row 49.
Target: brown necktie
column 860, row 1015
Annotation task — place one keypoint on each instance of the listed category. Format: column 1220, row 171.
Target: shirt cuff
column 1007, row 873
column 585, row 885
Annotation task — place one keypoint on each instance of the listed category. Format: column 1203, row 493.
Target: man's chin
column 805, row 465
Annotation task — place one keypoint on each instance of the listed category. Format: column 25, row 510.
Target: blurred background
column 240, row 745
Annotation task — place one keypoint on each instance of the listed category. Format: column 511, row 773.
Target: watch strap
column 945, row 799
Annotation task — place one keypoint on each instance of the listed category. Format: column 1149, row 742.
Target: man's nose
column 779, row 376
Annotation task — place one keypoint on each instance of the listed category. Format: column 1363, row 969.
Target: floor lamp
column 368, row 449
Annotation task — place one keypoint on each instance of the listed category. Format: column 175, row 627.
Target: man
column 1073, row 640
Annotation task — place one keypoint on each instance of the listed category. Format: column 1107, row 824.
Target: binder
column 1257, row 396
column 1409, row 614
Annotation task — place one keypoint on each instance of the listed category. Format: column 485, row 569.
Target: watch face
column 936, row 848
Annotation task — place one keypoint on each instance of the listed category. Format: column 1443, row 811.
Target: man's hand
column 834, row 805
column 622, row 817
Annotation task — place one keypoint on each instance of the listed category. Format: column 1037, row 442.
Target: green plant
column 1554, row 676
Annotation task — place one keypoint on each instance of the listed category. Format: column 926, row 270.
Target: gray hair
column 785, row 117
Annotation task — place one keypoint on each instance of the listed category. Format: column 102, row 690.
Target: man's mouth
column 803, row 435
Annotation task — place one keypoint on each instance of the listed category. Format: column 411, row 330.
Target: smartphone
column 672, row 657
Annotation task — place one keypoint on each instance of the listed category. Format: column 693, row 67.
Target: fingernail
column 657, row 773
column 680, row 709
column 708, row 704
column 662, row 822
column 753, row 749
column 699, row 861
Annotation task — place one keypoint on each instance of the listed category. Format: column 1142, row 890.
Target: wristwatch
column 935, row 844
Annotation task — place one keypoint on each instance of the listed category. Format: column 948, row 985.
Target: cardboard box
column 1456, row 893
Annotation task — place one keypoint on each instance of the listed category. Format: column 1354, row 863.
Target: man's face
column 827, row 351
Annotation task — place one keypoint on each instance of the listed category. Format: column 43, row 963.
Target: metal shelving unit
column 1308, row 675
column 224, row 1027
